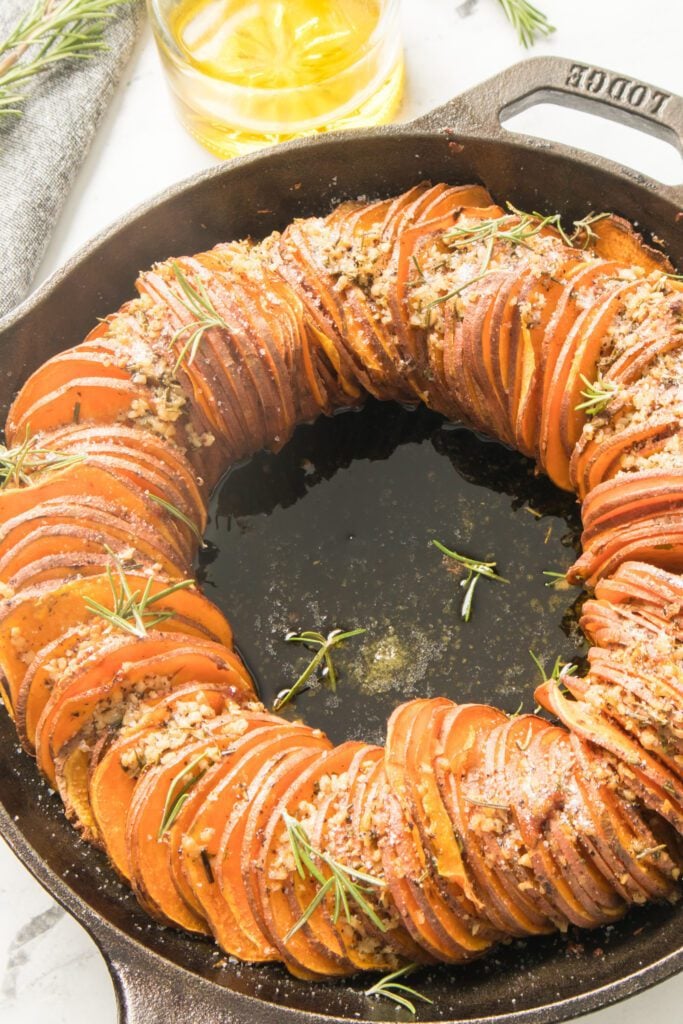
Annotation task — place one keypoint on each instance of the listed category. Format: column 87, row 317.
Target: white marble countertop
column 49, row 968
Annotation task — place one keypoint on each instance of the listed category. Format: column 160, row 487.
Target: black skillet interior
column 335, row 530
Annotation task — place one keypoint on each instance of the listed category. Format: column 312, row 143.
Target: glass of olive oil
column 248, row 73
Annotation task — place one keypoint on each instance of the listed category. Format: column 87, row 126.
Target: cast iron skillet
column 387, row 461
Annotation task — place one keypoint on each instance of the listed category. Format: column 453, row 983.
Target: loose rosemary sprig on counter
column 389, row 987
column 50, row 32
column 197, row 302
column 477, row 569
column 130, row 609
column 346, row 884
column 597, row 395
column 527, row 20
column 324, row 644
column 18, row 464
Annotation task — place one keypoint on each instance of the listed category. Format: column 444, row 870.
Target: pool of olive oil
column 250, row 73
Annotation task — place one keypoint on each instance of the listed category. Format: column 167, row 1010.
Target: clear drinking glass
column 248, row 73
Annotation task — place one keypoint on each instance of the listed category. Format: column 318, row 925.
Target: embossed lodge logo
column 628, row 92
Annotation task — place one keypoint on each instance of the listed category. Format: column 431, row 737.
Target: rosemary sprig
column 198, row 302
column 554, row 578
column 18, row 464
column 479, row 801
column 527, row 20
column 526, row 227
column 52, row 31
column 476, row 569
column 560, row 668
column 652, row 851
column 450, row 295
column 130, row 609
column 344, row 883
column 388, row 987
column 178, row 514
column 584, row 227
column 179, row 793
column 324, row 644
column 597, row 395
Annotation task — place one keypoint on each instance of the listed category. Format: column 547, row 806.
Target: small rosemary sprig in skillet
column 560, row 668
column 597, row 395
column 346, row 884
column 527, row 20
column 18, row 464
column 584, row 227
column 389, row 987
column 197, row 302
column 178, row 514
column 554, row 578
column 324, row 644
column 131, row 609
column 492, row 229
column 476, row 569
column 52, row 31
column 179, row 793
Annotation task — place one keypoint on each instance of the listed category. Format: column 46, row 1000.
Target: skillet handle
column 571, row 84
column 150, row 990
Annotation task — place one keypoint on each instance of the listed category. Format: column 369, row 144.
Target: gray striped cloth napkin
column 41, row 151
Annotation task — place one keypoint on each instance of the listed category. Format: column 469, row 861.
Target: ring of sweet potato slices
column 470, row 826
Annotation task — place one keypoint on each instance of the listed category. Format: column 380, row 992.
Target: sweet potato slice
column 285, row 902
column 652, row 782
column 337, row 829
column 622, row 844
column 126, row 663
column 151, row 809
column 616, row 239
column 116, row 764
column 235, row 926
column 94, row 483
column 195, row 836
column 408, row 776
column 464, row 733
column 40, row 618
column 266, row 899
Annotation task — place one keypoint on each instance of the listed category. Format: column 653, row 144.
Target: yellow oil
column 252, row 72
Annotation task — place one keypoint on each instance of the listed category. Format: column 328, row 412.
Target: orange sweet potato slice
column 151, row 809
column 235, row 926
column 74, row 710
column 285, row 902
column 115, row 769
column 195, row 836
column 39, row 619
column 653, row 783
column 266, row 899
column 407, row 776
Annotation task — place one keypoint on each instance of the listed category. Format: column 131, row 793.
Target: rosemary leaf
column 346, row 884
column 179, row 515
column 325, row 646
column 130, row 610
column 476, row 569
column 388, row 987
column 53, row 31
column 197, row 302
column 527, row 20
column 20, row 464
column 597, row 395
column 179, row 793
